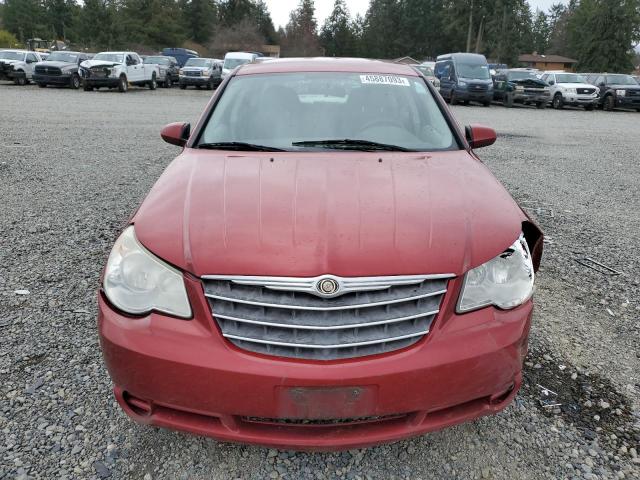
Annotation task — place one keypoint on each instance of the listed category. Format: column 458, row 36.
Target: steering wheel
column 380, row 122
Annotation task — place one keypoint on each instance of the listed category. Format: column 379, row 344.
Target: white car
column 17, row 65
column 235, row 59
column 570, row 89
column 118, row 70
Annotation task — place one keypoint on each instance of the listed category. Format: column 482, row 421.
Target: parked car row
column 466, row 77
column 119, row 70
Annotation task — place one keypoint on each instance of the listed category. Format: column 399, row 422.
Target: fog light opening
column 137, row 405
column 501, row 397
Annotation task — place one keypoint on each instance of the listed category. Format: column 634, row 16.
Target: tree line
column 600, row 34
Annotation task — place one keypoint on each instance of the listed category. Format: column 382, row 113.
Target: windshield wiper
column 241, row 146
column 351, row 144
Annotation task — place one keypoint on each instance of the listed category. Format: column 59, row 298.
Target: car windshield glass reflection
column 198, row 62
column 474, row 72
column 570, row 78
column 63, row 57
column 301, row 111
column 11, row 56
column 109, row 57
column 621, row 80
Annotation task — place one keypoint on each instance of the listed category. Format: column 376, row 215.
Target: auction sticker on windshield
column 384, row 80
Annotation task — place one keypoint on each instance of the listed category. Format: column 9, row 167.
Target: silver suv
column 570, row 89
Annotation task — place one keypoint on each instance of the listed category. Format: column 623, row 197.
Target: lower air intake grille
column 288, row 317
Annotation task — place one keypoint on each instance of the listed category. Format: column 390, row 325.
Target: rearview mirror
column 176, row 133
column 480, row 136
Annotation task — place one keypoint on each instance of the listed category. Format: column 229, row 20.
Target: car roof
column 15, row 50
column 324, row 64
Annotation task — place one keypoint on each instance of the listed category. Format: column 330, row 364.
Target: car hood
column 624, row 87
column 57, row 64
column 98, row 63
column 11, row 62
column 530, row 82
column 349, row 214
column 575, row 85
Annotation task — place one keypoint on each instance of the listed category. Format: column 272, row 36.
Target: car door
column 31, row 61
column 134, row 71
column 446, row 80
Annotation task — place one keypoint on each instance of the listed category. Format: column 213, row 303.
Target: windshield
column 63, row 57
column 110, row 57
column 231, row 63
column 198, row 62
column 475, row 72
column 278, row 110
column 11, row 55
column 157, row 61
column 621, row 80
column 522, row 76
column 569, row 78
column 426, row 71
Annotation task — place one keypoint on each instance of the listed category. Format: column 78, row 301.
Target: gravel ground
column 74, row 165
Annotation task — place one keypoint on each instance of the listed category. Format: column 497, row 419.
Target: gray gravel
column 74, row 165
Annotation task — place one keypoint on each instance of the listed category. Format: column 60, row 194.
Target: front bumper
column 184, row 80
column 52, row 79
column 470, row 95
column 576, row 100
column 522, row 97
column 628, row 102
column 181, row 374
column 101, row 82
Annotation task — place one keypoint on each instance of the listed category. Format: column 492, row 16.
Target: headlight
column 519, row 88
column 571, row 90
column 462, row 84
column 505, row 282
column 180, row 72
column 621, row 93
column 137, row 282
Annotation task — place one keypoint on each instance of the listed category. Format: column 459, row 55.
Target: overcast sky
column 280, row 8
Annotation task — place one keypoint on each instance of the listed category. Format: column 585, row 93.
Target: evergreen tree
column 24, row 18
column 602, row 34
column 200, row 19
column 337, row 36
column 541, row 32
column 380, row 35
column 301, row 35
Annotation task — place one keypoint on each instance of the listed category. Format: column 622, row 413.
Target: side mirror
column 551, row 82
column 480, row 136
column 176, row 133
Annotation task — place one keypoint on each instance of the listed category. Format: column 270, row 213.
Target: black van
column 464, row 77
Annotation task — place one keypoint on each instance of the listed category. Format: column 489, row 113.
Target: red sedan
column 326, row 265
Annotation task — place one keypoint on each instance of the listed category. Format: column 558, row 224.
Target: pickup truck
column 520, row 86
column 118, row 70
column 17, row 65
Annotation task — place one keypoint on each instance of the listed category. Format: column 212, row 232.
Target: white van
column 235, row 59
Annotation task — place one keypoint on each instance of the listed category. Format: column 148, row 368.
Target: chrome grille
column 288, row 317
column 45, row 70
column 585, row 91
column 193, row 73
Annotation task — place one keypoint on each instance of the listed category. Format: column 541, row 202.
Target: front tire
column 168, row 83
column 453, row 100
column 153, row 84
column 42, row 85
column 75, row 81
column 508, row 100
column 183, row 87
column 21, row 80
column 86, row 87
column 541, row 105
column 609, row 103
column 123, row 84
column 210, row 84
column 557, row 102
